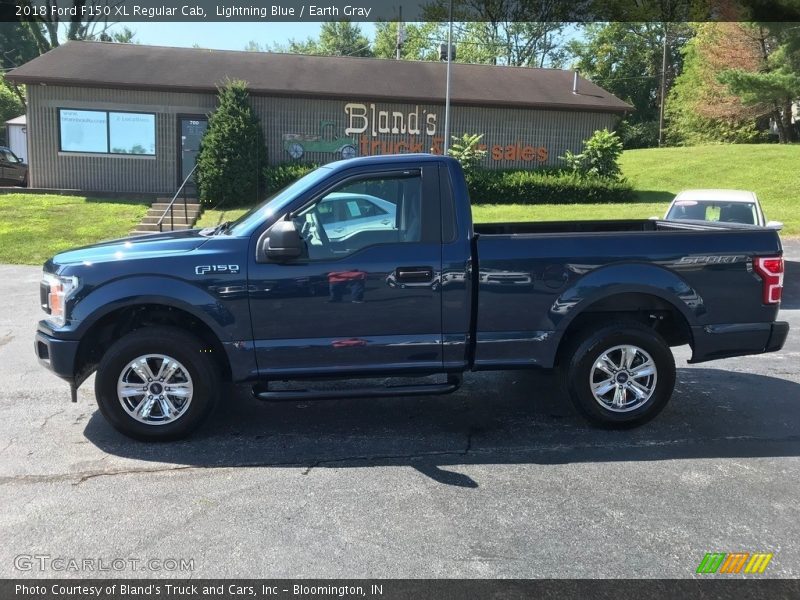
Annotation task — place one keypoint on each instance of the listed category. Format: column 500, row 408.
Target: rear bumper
column 57, row 355
column 722, row 341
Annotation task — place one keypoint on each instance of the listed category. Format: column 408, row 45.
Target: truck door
column 365, row 301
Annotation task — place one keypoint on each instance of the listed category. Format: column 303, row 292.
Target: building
column 129, row 118
column 17, row 134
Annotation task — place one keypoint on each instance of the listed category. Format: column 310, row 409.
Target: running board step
column 261, row 392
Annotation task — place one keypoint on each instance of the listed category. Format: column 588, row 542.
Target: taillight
column 770, row 269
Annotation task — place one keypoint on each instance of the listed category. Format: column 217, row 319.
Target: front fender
column 95, row 303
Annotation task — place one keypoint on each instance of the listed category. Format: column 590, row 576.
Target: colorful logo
column 734, row 562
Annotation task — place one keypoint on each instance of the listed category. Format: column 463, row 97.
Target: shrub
column 232, row 153
column 466, row 150
column 277, row 177
column 543, row 186
column 643, row 134
column 534, row 187
column 600, row 156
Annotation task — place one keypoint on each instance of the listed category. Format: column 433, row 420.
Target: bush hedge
column 277, row 177
column 545, row 186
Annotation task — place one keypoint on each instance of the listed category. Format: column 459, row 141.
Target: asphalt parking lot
column 500, row 479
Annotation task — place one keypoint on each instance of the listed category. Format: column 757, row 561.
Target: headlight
column 55, row 292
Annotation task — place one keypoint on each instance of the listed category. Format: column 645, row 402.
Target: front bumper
column 722, row 341
column 57, row 355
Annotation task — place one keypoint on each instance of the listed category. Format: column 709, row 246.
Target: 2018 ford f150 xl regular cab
column 276, row 296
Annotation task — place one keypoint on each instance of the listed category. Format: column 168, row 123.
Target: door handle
column 414, row 274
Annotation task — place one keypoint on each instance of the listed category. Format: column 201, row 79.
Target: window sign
column 107, row 132
column 132, row 133
column 84, row 131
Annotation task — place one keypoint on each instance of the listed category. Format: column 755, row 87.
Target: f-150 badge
column 216, row 269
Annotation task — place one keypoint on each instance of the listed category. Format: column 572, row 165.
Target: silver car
column 343, row 213
column 725, row 206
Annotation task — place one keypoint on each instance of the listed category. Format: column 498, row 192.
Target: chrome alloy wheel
column 623, row 378
column 155, row 389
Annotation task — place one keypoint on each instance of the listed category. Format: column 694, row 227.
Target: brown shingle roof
column 133, row 66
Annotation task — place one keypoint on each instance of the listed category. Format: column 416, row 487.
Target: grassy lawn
column 34, row 227
column 771, row 170
column 212, row 218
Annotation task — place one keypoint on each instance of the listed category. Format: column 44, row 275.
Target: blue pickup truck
column 275, row 297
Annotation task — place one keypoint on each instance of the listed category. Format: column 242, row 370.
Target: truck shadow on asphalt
column 495, row 418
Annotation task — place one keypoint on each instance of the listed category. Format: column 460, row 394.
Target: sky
column 225, row 36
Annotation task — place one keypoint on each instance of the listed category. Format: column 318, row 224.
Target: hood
column 138, row 247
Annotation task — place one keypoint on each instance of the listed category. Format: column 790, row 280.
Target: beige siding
column 554, row 131
column 98, row 172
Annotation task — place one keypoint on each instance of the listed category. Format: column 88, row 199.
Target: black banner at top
column 499, row 11
column 396, row 589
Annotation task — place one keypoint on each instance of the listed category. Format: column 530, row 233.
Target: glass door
column 192, row 128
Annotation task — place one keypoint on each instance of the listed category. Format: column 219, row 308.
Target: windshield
column 712, row 210
column 245, row 224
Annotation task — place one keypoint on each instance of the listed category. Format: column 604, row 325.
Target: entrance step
column 189, row 200
column 162, row 206
column 183, row 217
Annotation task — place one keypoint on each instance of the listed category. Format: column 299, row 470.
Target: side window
column 8, row 156
column 361, row 213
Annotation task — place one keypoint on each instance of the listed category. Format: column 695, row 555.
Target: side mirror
column 774, row 225
column 283, row 242
column 20, row 160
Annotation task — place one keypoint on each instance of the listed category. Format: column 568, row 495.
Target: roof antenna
column 575, row 82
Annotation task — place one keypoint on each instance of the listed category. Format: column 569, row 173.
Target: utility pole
column 663, row 90
column 400, row 36
column 447, row 89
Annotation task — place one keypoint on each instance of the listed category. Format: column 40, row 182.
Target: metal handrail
column 172, row 202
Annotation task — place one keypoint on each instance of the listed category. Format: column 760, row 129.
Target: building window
column 107, row 132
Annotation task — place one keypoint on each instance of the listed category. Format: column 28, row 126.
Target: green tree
column 336, row 38
column 123, row 36
column 625, row 59
column 522, row 34
column 253, row 46
column 517, row 44
column 18, row 45
column 776, row 84
column 420, row 40
column 702, row 110
column 48, row 31
column 232, row 154
column 10, row 104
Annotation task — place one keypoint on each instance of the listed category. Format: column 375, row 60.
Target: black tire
column 190, row 352
column 578, row 361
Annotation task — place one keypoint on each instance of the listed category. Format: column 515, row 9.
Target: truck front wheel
column 157, row 383
column 620, row 374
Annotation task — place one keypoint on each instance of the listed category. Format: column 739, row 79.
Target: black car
column 13, row 171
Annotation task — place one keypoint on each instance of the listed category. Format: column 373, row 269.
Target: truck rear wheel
column 156, row 383
column 620, row 374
